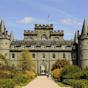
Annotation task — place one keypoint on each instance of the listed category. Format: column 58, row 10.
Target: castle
column 46, row 46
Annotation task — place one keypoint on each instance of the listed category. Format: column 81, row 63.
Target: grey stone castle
column 46, row 46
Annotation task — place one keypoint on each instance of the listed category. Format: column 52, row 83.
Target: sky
column 20, row 15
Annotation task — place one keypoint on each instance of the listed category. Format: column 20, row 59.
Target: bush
column 56, row 74
column 7, row 83
column 5, row 74
column 24, row 77
column 68, row 81
column 69, row 69
column 76, row 75
column 30, row 74
column 76, row 83
column 20, row 78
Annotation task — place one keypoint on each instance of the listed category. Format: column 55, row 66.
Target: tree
column 56, row 73
column 59, row 64
column 26, row 62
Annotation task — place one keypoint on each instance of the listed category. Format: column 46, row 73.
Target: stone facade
column 46, row 46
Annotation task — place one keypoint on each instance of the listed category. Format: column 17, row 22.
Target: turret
column 76, row 38
column 5, row 40
column 83, row 46
column 2, row 26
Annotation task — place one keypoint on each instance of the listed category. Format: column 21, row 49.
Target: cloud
column 69, row 21
column 25, row 20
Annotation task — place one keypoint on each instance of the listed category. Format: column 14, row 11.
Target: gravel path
column 43, row 82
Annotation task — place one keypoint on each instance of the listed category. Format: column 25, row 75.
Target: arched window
column 44, row 37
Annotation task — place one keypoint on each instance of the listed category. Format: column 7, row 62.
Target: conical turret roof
column 84, row 28
column 76, row 38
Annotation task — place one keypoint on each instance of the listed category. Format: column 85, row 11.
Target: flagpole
column 48, row 19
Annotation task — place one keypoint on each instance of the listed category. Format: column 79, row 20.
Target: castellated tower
column 4, row 40
column 83, row 46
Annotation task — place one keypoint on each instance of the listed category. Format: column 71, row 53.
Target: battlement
column 59, row 32
column 44, row 26
column 28, row 32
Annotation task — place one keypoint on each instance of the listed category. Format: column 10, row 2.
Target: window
column 64, row 55
column 13, row 55
column 44, row 37
column 43, row 55
column 33, row 55
column 53, row 55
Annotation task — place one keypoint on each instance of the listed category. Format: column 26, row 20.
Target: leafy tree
column 26, row 62
column 56, row 73
column 59, row 64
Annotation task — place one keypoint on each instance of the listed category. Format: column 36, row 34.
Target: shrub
column 56, row 74
column 7, row 83
column 5, row 74
column 69, row 69
column 20, row 78
column 30, row 74
column 76, row 83
column 76, row 75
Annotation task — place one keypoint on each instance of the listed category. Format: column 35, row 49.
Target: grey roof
column 41, row 42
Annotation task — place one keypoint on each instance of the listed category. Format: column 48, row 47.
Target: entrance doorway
column 42, row 70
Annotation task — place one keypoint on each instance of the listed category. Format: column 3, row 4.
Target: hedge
column 76, row 83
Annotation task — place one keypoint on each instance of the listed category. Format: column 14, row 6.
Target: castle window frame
column 64, row 55
column 33, row 55
column 13, row 55
column 43, row 55
column 53, row 55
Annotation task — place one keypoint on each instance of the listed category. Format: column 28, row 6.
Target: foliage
column 60, row 63
column 24, row 77
column 5, row 74
column 69, row 69
column 30, row 74
column 78, row 75
column 7, row 83
column 56, row 74
column 26, row 62
column 20, row 78
column 74, row 76
column 76, row 83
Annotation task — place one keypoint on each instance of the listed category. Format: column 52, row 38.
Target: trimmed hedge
column 76, row 83
column 78, row 75
column 68, row 69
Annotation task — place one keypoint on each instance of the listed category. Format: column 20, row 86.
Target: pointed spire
column 11, row 36
column 76, row 38
column 84, row 28
column 2, row 26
